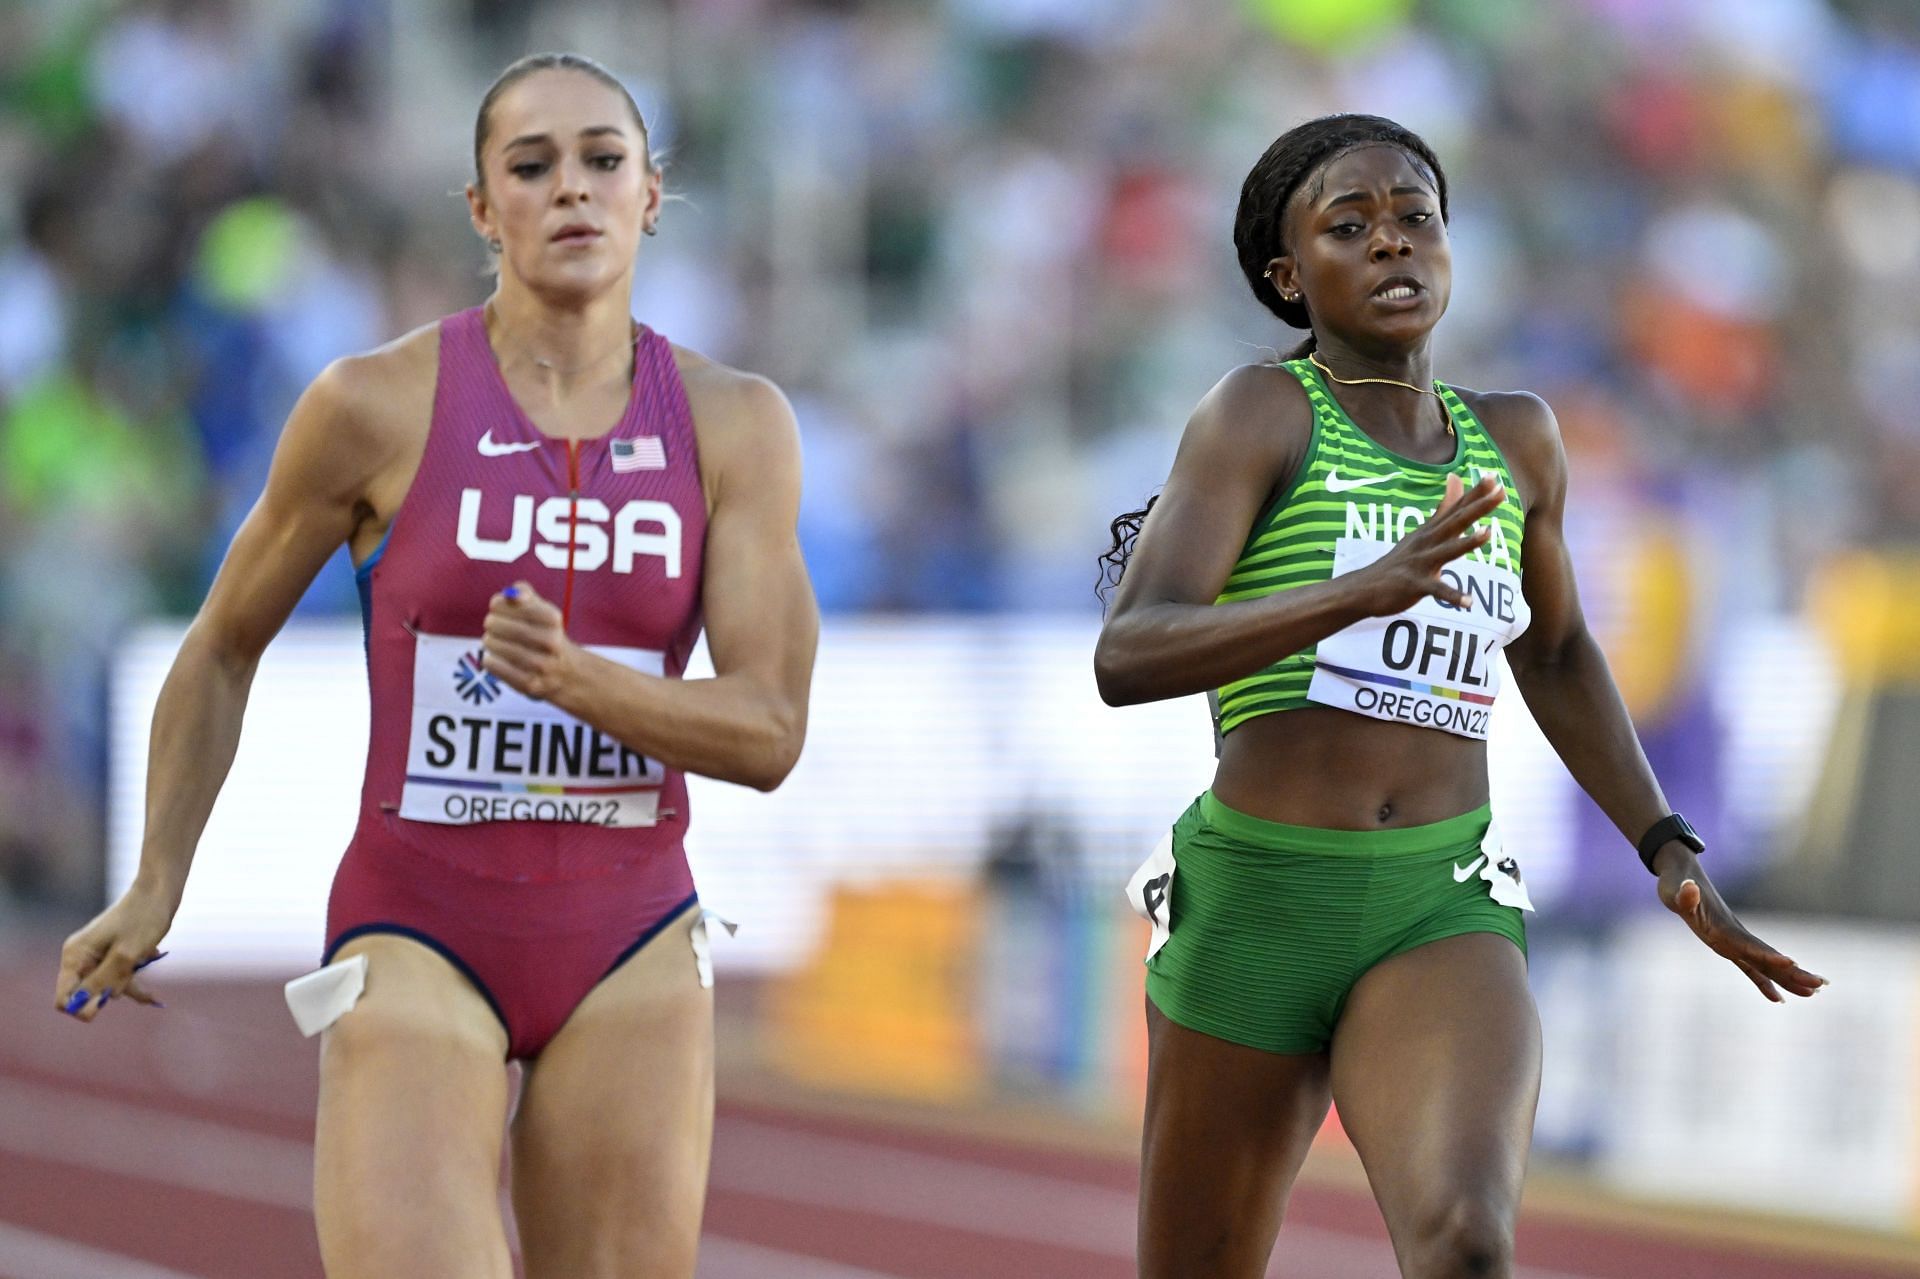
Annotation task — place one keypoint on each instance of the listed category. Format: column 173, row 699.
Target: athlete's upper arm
column 329, row 451
column 1242, row 444
column 1529, row 437
column 760, row 614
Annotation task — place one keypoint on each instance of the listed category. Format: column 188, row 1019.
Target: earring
column 494, row 244
column 651, row 229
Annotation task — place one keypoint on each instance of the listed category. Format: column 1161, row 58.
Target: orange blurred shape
column 885, row 1006
column 1723, row 363
column 1124, row 1014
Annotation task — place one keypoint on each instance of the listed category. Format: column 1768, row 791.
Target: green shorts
column 1271, row 925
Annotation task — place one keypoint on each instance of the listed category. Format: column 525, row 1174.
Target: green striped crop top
column 1346, row 503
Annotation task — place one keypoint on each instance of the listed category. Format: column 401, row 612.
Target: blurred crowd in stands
column 986, row 247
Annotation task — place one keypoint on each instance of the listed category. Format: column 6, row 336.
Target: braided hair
column 1259, row 237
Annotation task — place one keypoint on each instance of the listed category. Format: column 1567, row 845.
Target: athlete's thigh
column 611, row 1139
column 413, row 1097
column 1226, row 1129
column 1436, row 1070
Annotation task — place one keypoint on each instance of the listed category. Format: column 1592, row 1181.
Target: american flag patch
column 641, row 453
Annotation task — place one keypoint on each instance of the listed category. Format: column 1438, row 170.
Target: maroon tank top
column 461, row 768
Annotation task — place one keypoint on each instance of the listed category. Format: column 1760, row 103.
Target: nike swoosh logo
column 489, row 449
column 1337, row 485
column 1461, row 876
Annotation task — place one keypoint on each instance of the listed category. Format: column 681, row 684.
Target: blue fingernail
column 77, row 1000
column 105, row 995
column 512, row 592
column 156, row 959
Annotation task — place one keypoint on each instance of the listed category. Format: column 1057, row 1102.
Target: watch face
column 1671, row 827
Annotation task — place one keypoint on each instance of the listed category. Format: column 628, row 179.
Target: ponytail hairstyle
column 1259, row 227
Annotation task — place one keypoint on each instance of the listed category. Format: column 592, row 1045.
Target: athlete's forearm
column 1578, row 707
column 733, row 727
column 196, row 729
column 1155, row 651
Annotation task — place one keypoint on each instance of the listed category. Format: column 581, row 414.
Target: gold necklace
column 1313, row 358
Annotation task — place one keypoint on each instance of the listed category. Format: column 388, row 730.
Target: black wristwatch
column 1671, row 827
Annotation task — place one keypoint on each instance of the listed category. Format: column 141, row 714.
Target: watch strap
column 1669, row 828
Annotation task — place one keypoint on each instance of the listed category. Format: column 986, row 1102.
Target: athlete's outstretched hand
column 525, row 642
column 1687, row 892
column 100, row 960
column 1411, row 570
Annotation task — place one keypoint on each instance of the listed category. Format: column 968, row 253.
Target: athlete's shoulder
column 1257, row 409
column 1524, row 427
column 1520, row 412
column 1258, row 390
column 730, row 391
column 385, row 391
column 356, row 423
column 729, row 402
column 749, row 438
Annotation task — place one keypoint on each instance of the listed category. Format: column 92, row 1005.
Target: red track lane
column 181, row 1138
column 212, row 1236
column 917, row 1250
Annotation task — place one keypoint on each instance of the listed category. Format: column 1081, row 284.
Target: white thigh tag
column 703, row 945
column 478, row 751
column 323, row 996
column 1502, row 871
column 1433, row 665
column 1150, row 893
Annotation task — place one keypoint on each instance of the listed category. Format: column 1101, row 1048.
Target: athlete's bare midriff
column 1317, row 766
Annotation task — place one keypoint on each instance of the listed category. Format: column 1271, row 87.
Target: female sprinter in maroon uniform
column 545, row 501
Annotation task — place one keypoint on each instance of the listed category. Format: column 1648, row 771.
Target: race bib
column 1150, row 892
column 477, row 751
column 1435, row 665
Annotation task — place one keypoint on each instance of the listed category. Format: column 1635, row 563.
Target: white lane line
column 722, row 1258
column 136, row 1141
column 902, row 1185
column 31, row 1255
column 764, row 1159
column 833, row 1172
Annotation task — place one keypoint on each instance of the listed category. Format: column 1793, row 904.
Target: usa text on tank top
column 460, row 766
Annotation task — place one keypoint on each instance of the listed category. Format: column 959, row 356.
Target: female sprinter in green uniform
column 1346, row 540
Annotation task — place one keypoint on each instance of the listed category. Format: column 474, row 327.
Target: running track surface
column 177, row 1145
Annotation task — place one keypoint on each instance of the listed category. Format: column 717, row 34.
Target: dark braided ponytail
column 1258, row 238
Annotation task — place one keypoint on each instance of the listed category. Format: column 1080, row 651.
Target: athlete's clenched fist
column 525, row 642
